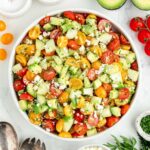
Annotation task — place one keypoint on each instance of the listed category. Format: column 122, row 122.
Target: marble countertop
column 126, row 126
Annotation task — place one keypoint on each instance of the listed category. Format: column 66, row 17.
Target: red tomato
column 101, row 129
column 137, row 23
column 80, row 18
column 91, row 74
column 22, row 72
column 49, row 74
column 25, row 81
column 107, row 87
column 144, row 35
column 114, row 45
column 124, row 93
column 44, row 21
column 107, row 57
column 111, row 121
column 26, row 96
column 48, row 54
column 49, row 125
column 148, row 21
column 124, row 109
column 134, row 66
column 103, row 23
column 55, row 91
column 80, row 128
column 70, row 15
column 55, row 34
column 147, row 48
column 75, row 135
column 116, row 58
column 72, row 44
column 123, row 40
column 93, row 119
column 78, row 116
column 115, row 35
column 18, row 85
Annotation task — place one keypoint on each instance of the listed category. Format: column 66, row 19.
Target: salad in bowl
column 74, row 74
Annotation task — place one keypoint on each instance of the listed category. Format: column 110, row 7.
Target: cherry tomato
column 93, row 119
column 148, row 21
column 3, row 54
column 26, row 96
column 44, row 21
column 91, row 74
column 25, row 80
column 124, row 109
column 114, row 45
column 144, row 35
column 123, row 40
column 75, row 135
column 124, row 93
column 48, row 54
column 78, row 116
column 137, row 23
column 55, row 34
column 49, row 74
column 80, row 128
column 107, row 87
column 103, row 23
column 2, row 25
column 101, row 129
column 134, row 65
column 34, row 32
column 55, row 91
column 22, row 72
column 147, row 48
column 69, row 14
column 72, row 44
column 107, row 57
column 115, row 35
column 7, row 38
column 80, row 18
column 116, row 58
column 49, row 125
column 18, row 85
column 111, row 121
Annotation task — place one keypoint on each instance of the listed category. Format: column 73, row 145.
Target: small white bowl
column 91, row 147
column 50, row 1
column 139, row 128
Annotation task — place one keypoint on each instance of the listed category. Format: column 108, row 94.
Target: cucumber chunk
column 91, row 132
column 116, row 111
column 23, row 105
column 106, row 112
column 142, row 4
column 68, row 124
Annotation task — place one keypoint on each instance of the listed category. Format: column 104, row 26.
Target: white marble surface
column 8, row 111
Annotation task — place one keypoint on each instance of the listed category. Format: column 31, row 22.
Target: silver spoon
column 8, row 137
column 32, row 144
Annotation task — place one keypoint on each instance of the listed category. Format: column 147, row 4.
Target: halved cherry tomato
column 123, row 40
column 114, row 35
column 62, row 41
column 124, row 93
column 7, row 38
column 48, row 54
column 148, row 21
column 112, row 121
column 80, row 18
column 3, row 54
column 69, row 14
column 30, row 75
column 147, row 48
column 101, row 92
column 75, row 135
column 78, row 116
column 107, row 57
column 2, row 25
column 124, row 109
column 55, row 91
column 35, row 118
column 34, row 32
column 107, row 87
column 49, row 125
column 116, row 58
column 72, row 44
column 26, row 96
column 91, row 74
column 103, row 23
column 80, row 128
column 22, row 72
column 44, row 20
column 114, row 45
column 18, row 85
column 134, row 66
column 144, row 35
column 49, row 74
column 93, row 119
column 25, row 80
column 55, row 34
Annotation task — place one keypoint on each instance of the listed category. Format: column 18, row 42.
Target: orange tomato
column 2, row 25
column 65, row 134
column 62, row 41
column 101, row 92
column 7, row 38
column 34, row 33
column 60, row 125
column 35, row 118
column 21, row 59
column 63, row 97
column 3, row 54
column 30, row 49
column 96, row 65
column 81, row 38
column 75, row 83
column 30, row 75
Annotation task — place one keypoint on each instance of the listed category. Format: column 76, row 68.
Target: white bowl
column 12, row 60
column 94, row 146
column 138, row 127
column 50, row 1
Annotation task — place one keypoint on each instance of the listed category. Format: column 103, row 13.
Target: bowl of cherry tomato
column 74, row 74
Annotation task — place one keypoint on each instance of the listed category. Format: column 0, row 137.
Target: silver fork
column 32, row 144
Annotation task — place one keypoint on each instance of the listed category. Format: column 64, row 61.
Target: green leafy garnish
column 144, row 145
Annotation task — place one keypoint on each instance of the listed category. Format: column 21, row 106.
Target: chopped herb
column 144, row 145
column 145, row 124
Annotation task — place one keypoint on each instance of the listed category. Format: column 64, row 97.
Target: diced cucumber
column 23, row 105
column 87, row 83
column 36, row 108
column 105, row 38
column 68, row 124
column 118, row 85
column 131, row 57
column 106, row 112
column 113, row 94
column 96, row 100
column 62, row 52
column 43, row 88
column 52, row 103
column 97, row 83
column 82, row 50
column 35, row 68
column 74, row 103
column 126, row 65
column 91, row 132
column 16, row 68
column 116, row 77
column 50, row 46
column 44, row 64
column 39, row 46
column 76, row 55
column 110, row 69
column 116, row 111
column 71, row 34
column 73, row 70
column 56, row 21
column 34, row 60
column 56, row 67
column 83, row 74
column 104, row 78
column 133, row 75
column 44, row 108
column 30, row 89
column 88, row 108
column 88, row 29
column 58, row 60
column 48, row 27
column 20, row 92
column 91, row 21
column 67, row 25
column 92, row 57
column 76, row 25
column 64, row 71
column 75, row 94
column 119, row 102
column 88, row 91
column 41, row 99
column 121, row 52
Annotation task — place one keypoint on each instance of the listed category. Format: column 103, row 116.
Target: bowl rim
column 93, row 145
column 11, row 63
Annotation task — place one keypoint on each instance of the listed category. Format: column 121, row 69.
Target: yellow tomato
column 101, row 92
column 30, row 49
column 21, row 59
column 126, row 47
column 91, row 16
column 7, row 38
column 59, row 125
column 81, row 102
column 30, row 75
column 85, row 63
column 34, row 32
column 101, row 123
column 97, row 50
column 65, row 134
column 72, row 62
column 124, row 74
column 75, row 83
column 2, row 25
column 96, row 65
column 68, row 110
column 62, row 41
column 63, row 98
column 81, row 38
column 35, row 118
column 3, row 54
column 21, row 49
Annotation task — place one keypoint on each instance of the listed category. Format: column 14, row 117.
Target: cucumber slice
column 142, row 4
column 112, row 4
